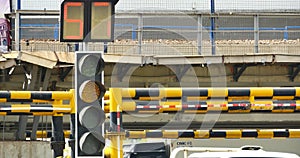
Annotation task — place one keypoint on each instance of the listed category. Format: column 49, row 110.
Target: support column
column 58, row 138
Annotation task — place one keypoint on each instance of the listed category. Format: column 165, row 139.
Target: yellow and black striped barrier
column 37, row 102
column 208, row 93
column 47, row 134
column 207, row 134
column 202, row 100
column 198, row 134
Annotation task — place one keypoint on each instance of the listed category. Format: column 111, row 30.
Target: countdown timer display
column 86, row 20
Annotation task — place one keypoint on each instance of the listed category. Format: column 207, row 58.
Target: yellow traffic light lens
column 91, row 65
column 90, row 91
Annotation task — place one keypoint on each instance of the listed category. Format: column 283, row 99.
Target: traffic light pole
column 116, row 133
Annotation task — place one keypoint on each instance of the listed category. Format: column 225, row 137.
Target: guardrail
column 202, row 100
column 53, row 103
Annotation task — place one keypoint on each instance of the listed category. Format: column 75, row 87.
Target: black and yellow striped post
column 116, row 134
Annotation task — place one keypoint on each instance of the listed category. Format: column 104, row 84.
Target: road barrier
column 37, row 102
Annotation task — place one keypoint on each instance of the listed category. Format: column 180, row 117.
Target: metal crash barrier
column 37, row 102
column 202, row 100
column 197, row 100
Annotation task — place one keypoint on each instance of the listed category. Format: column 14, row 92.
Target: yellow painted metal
column 170, row 134
column 72, row 101
column 201, row 134
column 115, row 99
column 217, row 92
column 233, row 134
column 128, row 106
column 20, row 94
column 3, row 100
column 116, row 144
column 20, row 108
column 137, row 134
column 297, row 91
column 294, row 133
column 265, row 134
column 170, row 92
column 64, row 95
column 261, row 92
column 128, row 92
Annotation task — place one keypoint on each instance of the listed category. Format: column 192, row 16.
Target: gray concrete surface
column 25, row 149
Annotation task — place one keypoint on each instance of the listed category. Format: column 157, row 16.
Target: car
column 243, row 152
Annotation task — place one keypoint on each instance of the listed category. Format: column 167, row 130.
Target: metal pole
column 199, row 35
column 140, row 33
column 256, row 33
column 212, row 33
column 17, row 31
column 116, row 135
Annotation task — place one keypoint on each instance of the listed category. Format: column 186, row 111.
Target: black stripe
column 152, row 102
column 195, row 102
column 41, row 105
column 263, row 98
column 238, row 92
column 239, row 102
column 20, row 100
column 194, row 92
column 249, row 134
column 146, row 92
column 41, row 95
column 186, row 134
column 4, row 94
column 217, row 134
column 284, row 92
column 284, row 108
column 154, row 134
column 239, row 108
column 281, row 133
column 284, row 102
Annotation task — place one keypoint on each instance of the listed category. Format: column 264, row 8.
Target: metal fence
column 183, row 5
column 178, row 33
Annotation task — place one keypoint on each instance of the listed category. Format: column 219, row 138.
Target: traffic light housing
column 90, row 115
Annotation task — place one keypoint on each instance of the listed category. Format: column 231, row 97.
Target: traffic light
column 90, row 115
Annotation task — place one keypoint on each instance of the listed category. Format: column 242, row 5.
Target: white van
column 243, row 152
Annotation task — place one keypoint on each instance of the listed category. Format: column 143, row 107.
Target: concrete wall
column 25, row 149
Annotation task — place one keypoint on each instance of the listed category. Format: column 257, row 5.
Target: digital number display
column 89, row 21
column 73, row 21
column 101, row 20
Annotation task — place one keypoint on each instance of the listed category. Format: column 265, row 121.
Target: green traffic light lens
column 91, row 65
